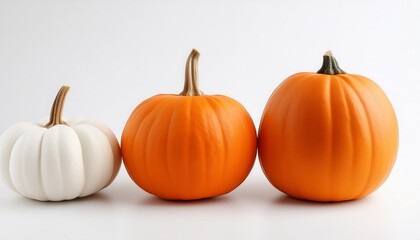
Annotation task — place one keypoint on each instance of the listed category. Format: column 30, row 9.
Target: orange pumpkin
column 189, row 146
column 328, row 136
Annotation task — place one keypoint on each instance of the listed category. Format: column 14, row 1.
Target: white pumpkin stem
column 57, row 108
column 191, row 76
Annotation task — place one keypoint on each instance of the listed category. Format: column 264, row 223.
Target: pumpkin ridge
column 187, row 165
column 331, row 120
column 390, row 164
column 146, row 164
column 213, row 101
column 30, row 193
column 203, row 143
column 22, row 188
column 240, row 112
column 83, row 161
column 350, row 118
column 369, row 122
column 138, row 112
column 170, row 122
column 132, row 138
column 271, row 104
column 58, row 159
column 283, row 127
column 95, row 141
column 134, row 118
column 110, row 138
column 275, row 95
column 109, row 146
column 144, row 105
column 12, row 185
column 296, row 83
column 292, row 81
column 44, row 193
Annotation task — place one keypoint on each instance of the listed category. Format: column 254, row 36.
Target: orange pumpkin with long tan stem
column 189, row 146
column 328, row 136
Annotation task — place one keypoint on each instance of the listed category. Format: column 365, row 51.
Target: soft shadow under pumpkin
column 155, row 201
column 291, row 201
column 97, row 198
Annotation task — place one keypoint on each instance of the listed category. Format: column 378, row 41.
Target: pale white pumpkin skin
column 60, row 163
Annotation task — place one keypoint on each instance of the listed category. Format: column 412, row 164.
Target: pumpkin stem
column 191, row 76
column 57, row 108
column 330, row 65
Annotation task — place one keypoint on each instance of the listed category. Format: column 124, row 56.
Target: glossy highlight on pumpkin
column 189, row 146
column 328, row 136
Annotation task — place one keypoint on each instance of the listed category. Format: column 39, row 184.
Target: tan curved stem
column 57, row 108
column 191, row 76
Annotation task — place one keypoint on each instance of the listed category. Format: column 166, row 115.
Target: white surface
column 115, row 54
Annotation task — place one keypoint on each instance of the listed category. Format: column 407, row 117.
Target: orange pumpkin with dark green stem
column 189, row 146
column 328, row 136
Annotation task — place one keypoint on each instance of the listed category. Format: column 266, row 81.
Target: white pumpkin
column 59, row 160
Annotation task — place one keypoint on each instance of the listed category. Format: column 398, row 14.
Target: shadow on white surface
column 290, row 201
column 128, row 193
column 255, row 210
column 125, row 191
column 96, row 199
column 159, row 202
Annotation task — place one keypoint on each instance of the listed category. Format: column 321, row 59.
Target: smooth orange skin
column 328, row 137
column 189, row 147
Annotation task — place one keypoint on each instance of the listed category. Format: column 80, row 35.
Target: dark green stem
column 330, row 65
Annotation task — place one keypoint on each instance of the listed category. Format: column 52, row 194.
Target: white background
column 114, row 54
